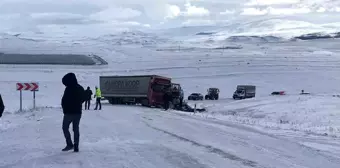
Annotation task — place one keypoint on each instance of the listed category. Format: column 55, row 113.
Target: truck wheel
column 145, row 103
column 113, row 101
column 216, row 97
column 119, row 101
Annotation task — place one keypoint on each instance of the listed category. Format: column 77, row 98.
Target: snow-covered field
column 299, row 131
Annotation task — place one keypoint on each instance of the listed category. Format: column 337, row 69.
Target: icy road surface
column 121, row 136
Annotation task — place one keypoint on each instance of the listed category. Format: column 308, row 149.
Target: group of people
column 88, row 98
column 72, row 104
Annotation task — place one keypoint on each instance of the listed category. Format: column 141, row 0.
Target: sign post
column 195, row 108
column 20, row 100
column 33, row 86
column 33, row 99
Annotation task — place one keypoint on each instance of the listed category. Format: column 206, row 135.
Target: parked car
column 195, row 96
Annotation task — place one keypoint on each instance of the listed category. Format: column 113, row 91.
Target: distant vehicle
column 195, row 96
column 304, row 93
column 244, row 92
column 213, row 94
column 279, row 93
column 147, row 90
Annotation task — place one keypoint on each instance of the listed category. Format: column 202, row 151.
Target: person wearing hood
column 72, row 100
column 2, row 106
column 88, row 95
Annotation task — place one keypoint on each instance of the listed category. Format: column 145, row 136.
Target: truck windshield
column 239, row 91
column 158, row 87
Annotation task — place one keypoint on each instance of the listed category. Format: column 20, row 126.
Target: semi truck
column 244, row 92
column 147, row 90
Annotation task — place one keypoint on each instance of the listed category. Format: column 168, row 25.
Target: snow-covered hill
column 262, row 29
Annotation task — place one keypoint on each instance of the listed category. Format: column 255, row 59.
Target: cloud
column 270, row 2
column 56, row 16
column 290, row 7
column 321, row 10
column 9, row 16
column 59, row 18
column 275, row 11
column 253, row 11
column 173, row 11
column 115, row 13
column 197, row 22
column 195, row 11
column 227, row 12
column 330, row 9
column 108, row 14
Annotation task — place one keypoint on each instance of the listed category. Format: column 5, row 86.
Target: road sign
column 31, row 86
column 28, row 86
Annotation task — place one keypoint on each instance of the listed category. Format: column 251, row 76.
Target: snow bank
column 311, row 114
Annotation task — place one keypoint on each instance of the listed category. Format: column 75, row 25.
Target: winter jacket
column 2, row 106
column 74, row 95
column 98, row 93
column 88, row 94
column 167, row 97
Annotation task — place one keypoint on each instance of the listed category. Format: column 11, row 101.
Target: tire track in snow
column 211, row 149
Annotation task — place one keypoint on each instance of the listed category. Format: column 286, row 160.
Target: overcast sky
column 34, row 15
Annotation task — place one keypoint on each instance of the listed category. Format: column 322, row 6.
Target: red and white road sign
column 28, row 86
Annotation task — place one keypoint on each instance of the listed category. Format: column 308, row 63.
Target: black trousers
column 75, row 120
column 98, row 103
column 87, row 104
column 166, row 105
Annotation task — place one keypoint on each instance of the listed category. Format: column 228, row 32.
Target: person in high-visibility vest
column 98, row 96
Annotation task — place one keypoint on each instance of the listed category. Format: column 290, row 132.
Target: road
column 121, row 136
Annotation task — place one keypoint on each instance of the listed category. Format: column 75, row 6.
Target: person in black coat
column 2, row 106
column 88, row 95
column 72, row 100
column 167, row 98
column 166, row 101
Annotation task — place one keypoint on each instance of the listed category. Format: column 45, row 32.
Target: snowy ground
column 307, row 113
column 268, row 131
column 145, row 138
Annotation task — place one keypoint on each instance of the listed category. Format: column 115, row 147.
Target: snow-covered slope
column 259, row 29
column 263, row 132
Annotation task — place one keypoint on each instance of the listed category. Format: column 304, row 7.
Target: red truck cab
column 156, row 90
